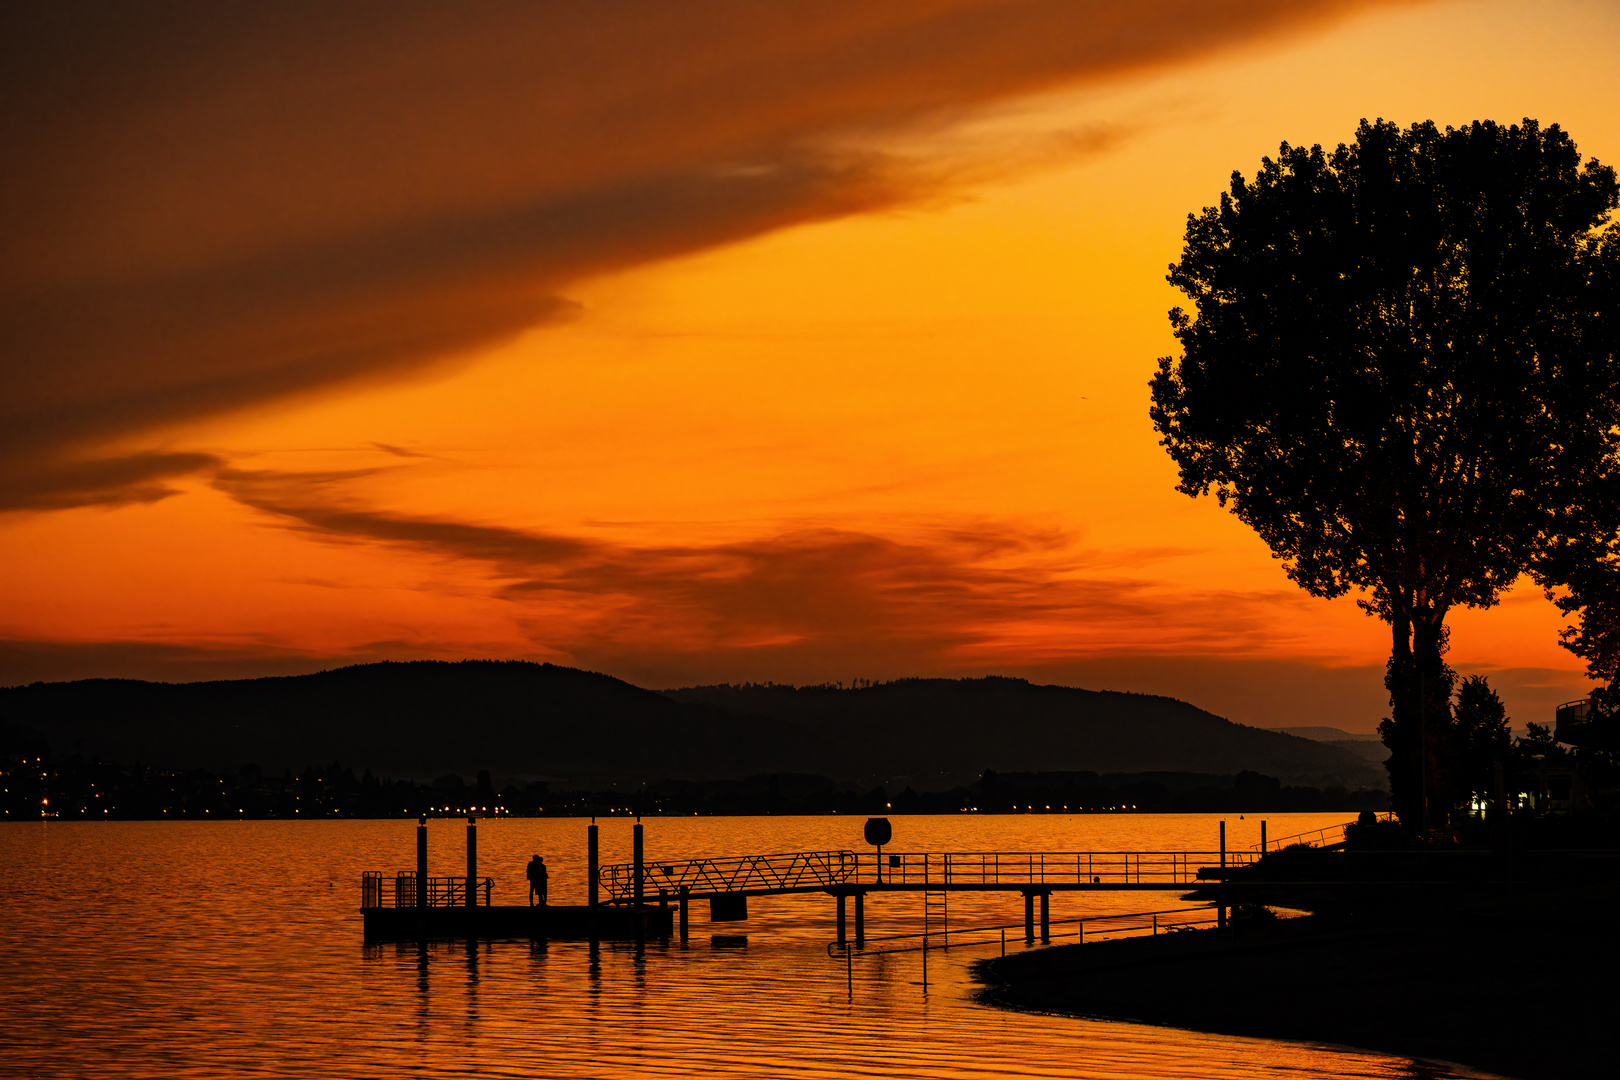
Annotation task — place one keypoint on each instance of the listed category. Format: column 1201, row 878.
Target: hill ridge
column 528, row 719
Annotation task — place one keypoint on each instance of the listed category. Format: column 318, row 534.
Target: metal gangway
column 750, row 875
column 931, row 871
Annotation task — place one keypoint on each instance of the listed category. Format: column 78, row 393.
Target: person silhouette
column 537, row 881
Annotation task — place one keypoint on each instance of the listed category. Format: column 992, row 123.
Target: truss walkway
column 933, row 871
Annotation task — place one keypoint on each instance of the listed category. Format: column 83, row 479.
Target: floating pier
column 413, row 906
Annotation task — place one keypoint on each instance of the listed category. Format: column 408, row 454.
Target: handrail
column 1315, row 838
column 1038, row 868
column 1159, row 921
column 399, row 891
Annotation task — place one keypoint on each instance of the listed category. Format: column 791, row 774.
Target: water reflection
column 234, row 957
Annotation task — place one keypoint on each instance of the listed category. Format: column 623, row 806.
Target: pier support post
column 637, row 890
column 1262, row 838
column 591, row 874
column 421, row 862
column 1029, row 918
column 842, row 935
column 1046, row 917
column 472, row 861
column 686, row 904
column 592, row 865
column 1220, row 912
column 860, row 918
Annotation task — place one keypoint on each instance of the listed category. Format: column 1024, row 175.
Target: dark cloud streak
column 116, row 481
column 215, row 204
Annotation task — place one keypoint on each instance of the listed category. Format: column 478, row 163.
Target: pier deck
column 557, row 923
column 414, row 905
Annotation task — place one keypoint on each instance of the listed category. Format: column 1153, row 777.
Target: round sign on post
column 878, row 833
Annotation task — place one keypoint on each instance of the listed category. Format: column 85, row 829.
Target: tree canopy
column 1395, row 375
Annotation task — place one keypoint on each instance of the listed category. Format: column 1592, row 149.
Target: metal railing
column 817, row 870
column 1332, row 834
column 785, row 872
column 1088, row 928
column 378, row 890
column 1006, row 869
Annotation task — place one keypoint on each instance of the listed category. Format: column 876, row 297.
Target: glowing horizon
column 795, row 382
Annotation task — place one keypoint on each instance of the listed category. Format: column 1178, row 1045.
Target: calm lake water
column 233, row 949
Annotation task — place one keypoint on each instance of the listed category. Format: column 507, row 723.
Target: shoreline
column 1533, row 998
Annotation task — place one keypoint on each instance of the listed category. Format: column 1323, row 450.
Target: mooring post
column 421, row 861
column 686, row 902
column 1046, row 917
column 638, row 861
column 1220, row 910
column 1262, row 837
column 472, row 861
column 860, row 917
column 1029, row 917
column 592, row 860
column 842, row 936
column 637, row 890
column 591, row 876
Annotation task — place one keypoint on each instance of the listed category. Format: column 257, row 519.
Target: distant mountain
column 521, row 720
column 1324, row 734
column 1368, row 748
column 417, row 720
column 937, row 732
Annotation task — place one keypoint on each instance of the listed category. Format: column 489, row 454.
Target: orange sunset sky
column 684, row 342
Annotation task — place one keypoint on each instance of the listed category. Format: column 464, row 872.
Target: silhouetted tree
column 1387, row 379
column 1579, row 565
column 1480, row 736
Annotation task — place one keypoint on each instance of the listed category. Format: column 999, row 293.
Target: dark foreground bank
column 1521, row 987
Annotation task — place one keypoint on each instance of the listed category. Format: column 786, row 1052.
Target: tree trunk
column 1419, row 684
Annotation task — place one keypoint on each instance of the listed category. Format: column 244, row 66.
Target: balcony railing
column 1572, row 720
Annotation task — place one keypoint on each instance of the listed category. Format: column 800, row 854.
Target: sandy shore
column 1527, row 989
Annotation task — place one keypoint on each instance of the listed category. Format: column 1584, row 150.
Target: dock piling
column 592, row 864
column 685, row 912
column 1220, row 912
column 421, row 862
column 1046, row 917
column 842, row 932
column 472, row 861
column 592, row 870
column 860, row 918
column 1029, row 918
column 638, row 866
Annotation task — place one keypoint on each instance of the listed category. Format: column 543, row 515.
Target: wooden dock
column 644, row 899
column 571, row 923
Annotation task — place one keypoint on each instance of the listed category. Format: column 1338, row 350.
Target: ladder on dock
column 936, row 909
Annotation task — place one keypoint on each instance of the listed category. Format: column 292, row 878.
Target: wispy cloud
column 801, row 600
